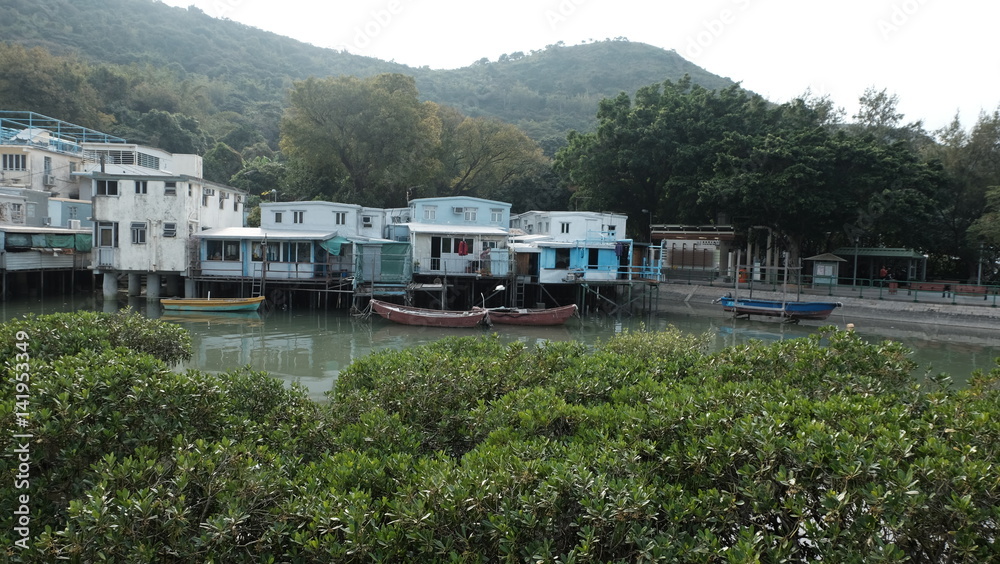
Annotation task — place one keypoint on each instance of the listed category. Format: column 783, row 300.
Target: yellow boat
column 211, row 304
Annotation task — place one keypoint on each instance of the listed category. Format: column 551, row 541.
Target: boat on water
column 408, row 315
column 531, row 316
column 211, row 304
column 790, row 311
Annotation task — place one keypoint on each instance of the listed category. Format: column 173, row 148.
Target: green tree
column 481, row 156
column 653, row 153
column 34, row 80
column 221, row 163
column 971, row 164
column 368, row 139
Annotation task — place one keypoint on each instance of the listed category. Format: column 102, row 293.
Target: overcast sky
column 940, row 57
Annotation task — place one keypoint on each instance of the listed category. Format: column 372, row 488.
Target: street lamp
column 855, row 281
column 650, row 214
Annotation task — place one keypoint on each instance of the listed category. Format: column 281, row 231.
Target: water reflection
column 313, row 347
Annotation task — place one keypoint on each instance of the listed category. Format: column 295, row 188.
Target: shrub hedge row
column 471, row 450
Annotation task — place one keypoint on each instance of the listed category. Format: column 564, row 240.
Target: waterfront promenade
column 861, row 302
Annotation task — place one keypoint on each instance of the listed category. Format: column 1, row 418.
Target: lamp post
column 979, row 274
column 855, row 281
column 650, row 223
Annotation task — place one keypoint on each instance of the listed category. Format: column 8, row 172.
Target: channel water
column 312, row 347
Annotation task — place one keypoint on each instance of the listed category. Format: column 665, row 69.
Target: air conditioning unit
column 458, row 210
column 223, row 195
column 209, row 191
column 74, row 224
column 46, row 221
column 49, row 179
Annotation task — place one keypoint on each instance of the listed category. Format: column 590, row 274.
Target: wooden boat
column 211, row 304
column 407, row 315
column 792, row 311
column 525, row 316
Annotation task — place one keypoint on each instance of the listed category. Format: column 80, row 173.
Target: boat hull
column 211, row 304
column 774, row 308
column 538, row 317
column 419, row 316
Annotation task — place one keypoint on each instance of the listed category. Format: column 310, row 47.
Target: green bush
column 470, row 450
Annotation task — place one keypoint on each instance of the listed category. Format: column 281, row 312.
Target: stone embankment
column 873, row 303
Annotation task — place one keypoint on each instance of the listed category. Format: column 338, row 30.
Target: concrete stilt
column 152, row 286
column 190, row 288
column 110, row 286
column 134, row 284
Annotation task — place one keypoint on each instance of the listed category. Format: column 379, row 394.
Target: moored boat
column 408, row 315
column 531, row 316
column 775, row 308
column 211, row 304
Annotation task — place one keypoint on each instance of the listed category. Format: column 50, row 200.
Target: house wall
column 347, row 220
column 580, row 226
column 185, row 209
column 441, row 211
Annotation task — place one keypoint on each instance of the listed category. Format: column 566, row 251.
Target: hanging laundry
column 463, row 249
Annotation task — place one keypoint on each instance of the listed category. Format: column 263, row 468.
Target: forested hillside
column 241, row 69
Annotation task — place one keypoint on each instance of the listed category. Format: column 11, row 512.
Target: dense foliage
column 470, row 450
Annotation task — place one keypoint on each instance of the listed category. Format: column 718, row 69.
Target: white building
column 348, row 220
column 148, row 205
column 571, row 225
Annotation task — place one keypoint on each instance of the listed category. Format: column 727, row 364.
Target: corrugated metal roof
column 454, row 229
column 258, row 233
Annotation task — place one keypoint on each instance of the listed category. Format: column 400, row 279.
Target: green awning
column 81, row 242
column 334, row 245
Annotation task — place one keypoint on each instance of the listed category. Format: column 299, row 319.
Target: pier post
column 110, row 287
column 190, row 288
column 134, row 284
column 152, row 286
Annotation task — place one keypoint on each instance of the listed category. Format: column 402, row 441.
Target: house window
column 298, row 216
column 107, row 234
column 169, row 229
column 366, row 221
column 296, row 252
column 340, row 218
column 107, row 188
column 141, row 187
column 47, row 165
column 610, row 228
column 277, row 217
column 496, row 215
column 138, row 233
column 257, row 251
column 222, row 204
column 562, row 258
column 220, row 249
column 72, row 212
column 470, row 214
column 169, row 188
column 17, row 213
column 430, row 213
column 15, row 162
column 564, row 227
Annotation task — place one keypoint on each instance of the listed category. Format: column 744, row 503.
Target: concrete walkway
column 863, row 303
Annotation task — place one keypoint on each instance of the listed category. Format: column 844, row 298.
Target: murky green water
column 312, row 347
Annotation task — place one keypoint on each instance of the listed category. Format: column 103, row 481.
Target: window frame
column 138, row 231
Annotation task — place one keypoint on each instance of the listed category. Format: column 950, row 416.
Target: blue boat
column 791, row 311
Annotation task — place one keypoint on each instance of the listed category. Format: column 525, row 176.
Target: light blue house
column 558, row 247
column 456, row 236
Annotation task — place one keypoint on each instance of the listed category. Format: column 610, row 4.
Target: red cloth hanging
column 463, row 249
